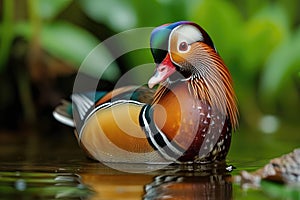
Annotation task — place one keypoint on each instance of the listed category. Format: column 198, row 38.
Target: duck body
column 202, row 134
column 188, row 118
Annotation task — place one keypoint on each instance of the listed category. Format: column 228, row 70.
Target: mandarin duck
column 189, row 117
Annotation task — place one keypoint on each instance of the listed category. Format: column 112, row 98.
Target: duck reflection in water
column 189, row 187
column 172, row 182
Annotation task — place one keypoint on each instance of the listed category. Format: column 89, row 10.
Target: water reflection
column 174, row 182
column 35, row 167
column 189, row 187
column 191, row 182
column 42, row 185
column 116, row 186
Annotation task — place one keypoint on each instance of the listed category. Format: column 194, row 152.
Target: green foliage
column 48, row 10
column 67, row 41
column 281, row 191
column 118, row 15
column 258, row 40
column 260, row 48
column 6, row 31
column 280, row 67
column 262, row 33
column 63, row 40
column 60, row 38
column 223, row 23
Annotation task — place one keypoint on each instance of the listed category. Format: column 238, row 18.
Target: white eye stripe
column 189, row 33
column 183, row 33
column 186, row 33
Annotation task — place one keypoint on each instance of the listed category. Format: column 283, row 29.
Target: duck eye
column 183, row 46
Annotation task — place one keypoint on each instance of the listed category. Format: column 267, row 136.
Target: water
column 39, row 164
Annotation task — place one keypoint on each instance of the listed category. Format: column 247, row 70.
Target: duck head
column 173, row 45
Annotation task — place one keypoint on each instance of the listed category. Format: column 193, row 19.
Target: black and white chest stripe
column 158, row 140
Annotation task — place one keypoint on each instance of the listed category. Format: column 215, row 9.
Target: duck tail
column 63, row 113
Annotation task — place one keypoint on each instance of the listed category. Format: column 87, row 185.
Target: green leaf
column 154, row 13
column 67, row 41
column 223, row 23
column 280, row 66
column 250, row 7
column 119, row 15
column 48, row 9
column 265, row 31
column 73, row 44
column 62, row 39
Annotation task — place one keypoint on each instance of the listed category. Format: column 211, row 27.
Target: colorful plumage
column 189, row 118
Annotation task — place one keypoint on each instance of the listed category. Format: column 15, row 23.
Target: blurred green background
column 43, row 42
